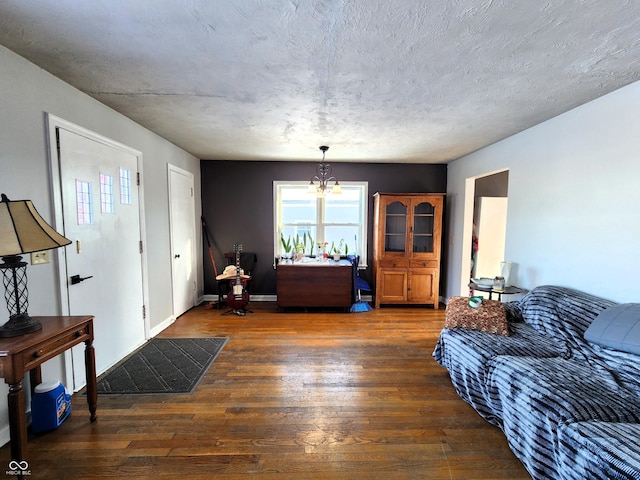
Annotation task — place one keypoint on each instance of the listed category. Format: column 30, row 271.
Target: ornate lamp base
column 14, row 277
column 19, row 325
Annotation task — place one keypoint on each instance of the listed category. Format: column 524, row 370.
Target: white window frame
column 360, row 249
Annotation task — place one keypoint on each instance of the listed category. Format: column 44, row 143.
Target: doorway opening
column 485, row 223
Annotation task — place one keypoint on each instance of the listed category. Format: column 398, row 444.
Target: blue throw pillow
column 617, row 327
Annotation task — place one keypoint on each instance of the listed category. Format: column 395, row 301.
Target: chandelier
column 323, row 182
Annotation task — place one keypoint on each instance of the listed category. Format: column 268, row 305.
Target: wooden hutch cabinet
column 407, row 241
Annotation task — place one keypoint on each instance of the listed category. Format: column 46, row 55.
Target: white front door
column 104, row 263
column 182, row 224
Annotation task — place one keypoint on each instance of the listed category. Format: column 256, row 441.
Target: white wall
column 574, row 200
column 26, row 93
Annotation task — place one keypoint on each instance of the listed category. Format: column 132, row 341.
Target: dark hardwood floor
column 294, row 395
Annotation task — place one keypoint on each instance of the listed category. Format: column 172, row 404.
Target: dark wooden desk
column 27, row 353
column 315, row 284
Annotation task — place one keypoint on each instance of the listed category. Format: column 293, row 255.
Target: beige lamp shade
column 23, row 230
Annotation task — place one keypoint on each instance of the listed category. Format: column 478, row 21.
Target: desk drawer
column 46, row 350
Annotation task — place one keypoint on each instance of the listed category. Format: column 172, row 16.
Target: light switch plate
column 38, row 258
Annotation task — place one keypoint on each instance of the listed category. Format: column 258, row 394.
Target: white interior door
column 182, row 224
column 102, row 218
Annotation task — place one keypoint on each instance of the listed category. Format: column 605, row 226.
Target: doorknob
column 75, row 279
column 177, row 255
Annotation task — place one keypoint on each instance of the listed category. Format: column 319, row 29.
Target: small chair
column 359, row 284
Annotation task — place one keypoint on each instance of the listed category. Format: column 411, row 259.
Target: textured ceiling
column 419, row 81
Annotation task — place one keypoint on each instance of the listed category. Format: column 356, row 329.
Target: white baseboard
column 159, row 328
column 266, row 298
column 263, row 298
column 5, row 436
column 252, row 298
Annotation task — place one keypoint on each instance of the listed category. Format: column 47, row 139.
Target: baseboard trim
column 274, row 298
column 252, row 298
column 267, row 298
column 5, row 436
column 159, row 328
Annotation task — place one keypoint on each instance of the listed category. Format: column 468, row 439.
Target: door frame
column 173, row 169
column 467, row 227
column 54, row 122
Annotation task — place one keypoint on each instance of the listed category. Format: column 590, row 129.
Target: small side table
column 27, row 353
column 511, row 290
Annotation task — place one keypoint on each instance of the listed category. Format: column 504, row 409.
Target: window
column 332, row 218
column 125, row 186
column 84, row 208
column 106, row 193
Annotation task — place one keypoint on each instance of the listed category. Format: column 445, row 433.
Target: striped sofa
column 570, row 409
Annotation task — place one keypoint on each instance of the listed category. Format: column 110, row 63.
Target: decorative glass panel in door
column 395, row 227
column 423, row 224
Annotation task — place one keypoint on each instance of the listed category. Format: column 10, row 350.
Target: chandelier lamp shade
column 323, row 183
column 22, row 230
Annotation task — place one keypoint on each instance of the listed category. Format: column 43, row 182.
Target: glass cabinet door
column 423, row 226
column 395, row 227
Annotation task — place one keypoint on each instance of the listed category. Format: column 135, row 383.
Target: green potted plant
column 337, row 251
column 286, row 244
column 311, row 242
column 300, row 246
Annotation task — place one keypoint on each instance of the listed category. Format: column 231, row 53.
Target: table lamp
column 22, row 230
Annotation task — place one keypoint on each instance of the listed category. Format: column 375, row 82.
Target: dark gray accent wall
column 237, row 204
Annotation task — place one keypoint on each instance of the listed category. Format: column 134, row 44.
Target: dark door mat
column 162, row 365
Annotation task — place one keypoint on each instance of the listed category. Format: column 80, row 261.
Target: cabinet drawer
column 393, row 263
column 424, row 264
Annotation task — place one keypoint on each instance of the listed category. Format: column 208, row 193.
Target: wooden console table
column 315, row 284
column 27, row 353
